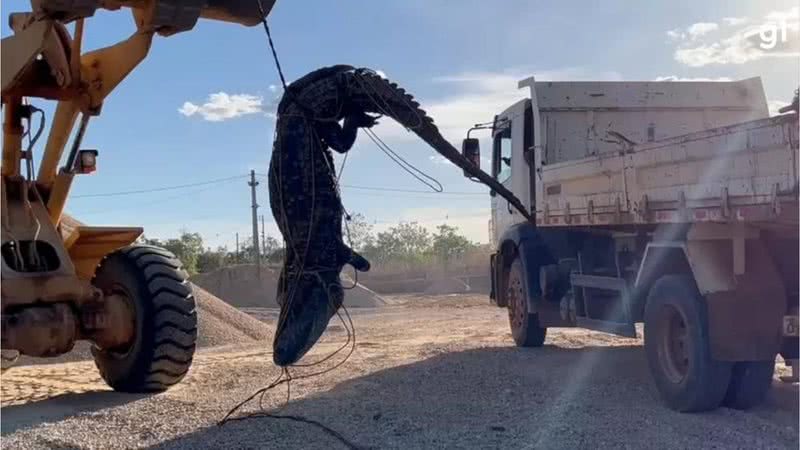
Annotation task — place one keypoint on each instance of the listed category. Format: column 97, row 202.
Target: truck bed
column 745, row 172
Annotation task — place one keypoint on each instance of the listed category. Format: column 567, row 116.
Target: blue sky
column 461, row 59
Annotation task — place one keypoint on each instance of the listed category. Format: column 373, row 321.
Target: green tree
column 406, row 242
column 448, row 243
column 273, row 250
column 359, row 232
column 247, row 252
column 187, row 248
column 209, row 260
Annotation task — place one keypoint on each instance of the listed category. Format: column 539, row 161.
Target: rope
column 293, row 277
column 434, row 184
column 271, row 44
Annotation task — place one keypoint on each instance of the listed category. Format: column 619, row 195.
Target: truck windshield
column 501, row 158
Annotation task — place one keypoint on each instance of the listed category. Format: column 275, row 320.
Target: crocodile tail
column 381, row 96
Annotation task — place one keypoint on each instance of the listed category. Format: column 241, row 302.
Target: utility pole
column 237, row 247
column 263, row 238
column 254, row 205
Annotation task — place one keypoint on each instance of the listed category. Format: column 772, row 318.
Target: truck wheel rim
column 674, row 349
column 516, row 310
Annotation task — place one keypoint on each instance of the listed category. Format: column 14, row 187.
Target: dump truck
column 672, row 204
column 64, row 280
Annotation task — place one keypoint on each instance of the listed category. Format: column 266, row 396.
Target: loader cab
column 511, row 153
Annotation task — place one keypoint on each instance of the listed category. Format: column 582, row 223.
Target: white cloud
column 698, row 29
column 676, row 34
column 222, row 106
column 776, row 36
column 677, row 78
column 788, row 15
column 476, row 97
column 480, row 95
column 692, row 32
column 775, row 105
column 735, row 21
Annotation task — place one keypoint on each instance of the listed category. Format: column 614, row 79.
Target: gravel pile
column 218, row 324
column 244, row 286
column 447, row 286
column 222, row 324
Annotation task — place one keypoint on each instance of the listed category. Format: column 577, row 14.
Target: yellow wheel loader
column 64, row 281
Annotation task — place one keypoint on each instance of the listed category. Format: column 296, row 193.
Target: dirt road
column 429, row 372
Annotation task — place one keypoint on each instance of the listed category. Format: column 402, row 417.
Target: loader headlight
column 86, row 162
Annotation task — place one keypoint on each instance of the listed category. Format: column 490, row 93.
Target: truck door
column 509, row 167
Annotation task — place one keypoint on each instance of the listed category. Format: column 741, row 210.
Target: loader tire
column 677, row 347
column 750, row 382
column 525, row 327
column 162, row 349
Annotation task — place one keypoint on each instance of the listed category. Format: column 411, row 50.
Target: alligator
column 321, row 111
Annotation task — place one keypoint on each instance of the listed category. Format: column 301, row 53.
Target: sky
column 201, row 106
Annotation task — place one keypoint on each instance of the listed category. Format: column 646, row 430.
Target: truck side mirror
column 471, row 150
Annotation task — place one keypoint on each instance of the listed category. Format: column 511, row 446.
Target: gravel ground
column 428, row 372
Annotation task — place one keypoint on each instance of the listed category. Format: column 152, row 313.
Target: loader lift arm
column 64, row 281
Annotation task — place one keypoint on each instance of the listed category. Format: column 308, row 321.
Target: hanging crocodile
column 304, row 197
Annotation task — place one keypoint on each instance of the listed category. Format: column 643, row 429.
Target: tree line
column 405, row 243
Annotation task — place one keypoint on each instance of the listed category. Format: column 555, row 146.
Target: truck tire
column 677, row 347
column 525, row 328
column 166, row 320
column 750, row 382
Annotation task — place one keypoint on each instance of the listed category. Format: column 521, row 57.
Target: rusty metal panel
column 745, row 321
column 712, row 265
column 750, row 161
column 745, row 94
column 576, row 117
column 741, row 172
column 593, row 185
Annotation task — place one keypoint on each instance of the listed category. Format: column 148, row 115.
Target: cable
column 160, row 189
column 296, row 274
column 421, row 176
column 409, row 191
column 158, row 201
column 400, row 190
column 30, row 184
column 405, row 165
column 346, row 442
column 271, row 44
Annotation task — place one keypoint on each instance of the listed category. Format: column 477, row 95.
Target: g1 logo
column 771, row 34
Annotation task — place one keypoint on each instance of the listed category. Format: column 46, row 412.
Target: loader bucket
column 179, row 15
column 244, row 12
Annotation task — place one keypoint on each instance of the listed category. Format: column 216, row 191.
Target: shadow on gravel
column 19, row 417
column 551, row 397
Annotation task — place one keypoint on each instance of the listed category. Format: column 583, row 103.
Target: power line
column 128, row 207
column 410, row 191
column 237, row 177
column 400, row 190
column 162, row 188
column 433, row 219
